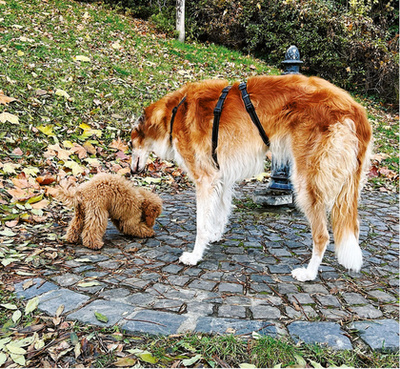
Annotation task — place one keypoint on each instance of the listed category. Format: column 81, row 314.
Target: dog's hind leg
column 94, row 228
column 316, row 215
column 76, row 225
column 213, row 207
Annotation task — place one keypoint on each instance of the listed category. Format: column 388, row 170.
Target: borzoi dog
column 317, row 127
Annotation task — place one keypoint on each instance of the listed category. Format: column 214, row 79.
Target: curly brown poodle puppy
column 133, row 210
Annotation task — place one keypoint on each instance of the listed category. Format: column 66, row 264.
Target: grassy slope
column 129, row 66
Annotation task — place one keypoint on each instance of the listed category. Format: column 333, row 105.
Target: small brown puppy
column 133, row 210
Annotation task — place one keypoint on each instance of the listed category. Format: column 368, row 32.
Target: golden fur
column 133, row 210
column 317, row 127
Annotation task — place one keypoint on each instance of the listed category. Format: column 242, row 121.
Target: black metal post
column 280, row 189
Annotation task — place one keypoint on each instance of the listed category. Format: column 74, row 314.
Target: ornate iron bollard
column 280, row 189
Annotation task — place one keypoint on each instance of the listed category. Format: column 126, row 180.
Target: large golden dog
column 318, row 127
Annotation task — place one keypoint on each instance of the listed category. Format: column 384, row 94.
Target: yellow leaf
column 10, row 168
column 20, row 53
column 116, row 45
column 8, row 117
column 47, row 130
column 18, row 359
column 31, row 171
column 14, row 349
column 68, row 144
column 82, row 58
column 75, row 167
column 31, row 305
column 62, row 93
column 93, row 162
column 85, row 126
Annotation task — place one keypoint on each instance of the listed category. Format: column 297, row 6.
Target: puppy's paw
column 303, row 274
column 93, row 245
column 189, row 258
column 71, row 238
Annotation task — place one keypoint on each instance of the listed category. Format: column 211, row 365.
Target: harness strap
column 171, row 125
column 217, row 116
column 252, row 112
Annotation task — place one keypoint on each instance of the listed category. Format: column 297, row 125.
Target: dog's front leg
column 209, row 221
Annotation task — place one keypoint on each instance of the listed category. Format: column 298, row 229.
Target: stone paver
column 244, row 282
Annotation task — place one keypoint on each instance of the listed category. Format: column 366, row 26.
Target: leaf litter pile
column 73, row 79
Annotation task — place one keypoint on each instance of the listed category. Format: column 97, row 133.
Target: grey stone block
column 232, row 311
column 202, row 285
column 234, row 326
column 230, row 288
column 366, row 312
column 114, row 311
column 153, row 322
column 325, row 333
column 39, row 287
column 328, row 301
column 52, row 300
column 379, row 334
column 265, row 312
column 353, row 298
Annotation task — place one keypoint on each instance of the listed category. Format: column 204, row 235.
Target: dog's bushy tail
column 344, row 215
column 67, row 193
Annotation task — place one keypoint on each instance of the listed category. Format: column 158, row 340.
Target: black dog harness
column 250, row 110
column 171, row 125
column 217, row 116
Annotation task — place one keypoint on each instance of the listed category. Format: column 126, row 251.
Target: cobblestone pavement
column 244, row 282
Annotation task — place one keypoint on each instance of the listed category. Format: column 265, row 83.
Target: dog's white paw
column 189, row 258
column 303, row 274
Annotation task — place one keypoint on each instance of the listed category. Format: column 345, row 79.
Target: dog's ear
column 151, row 211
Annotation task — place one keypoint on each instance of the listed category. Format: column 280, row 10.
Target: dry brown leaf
column 5, row 99
column 45, row 180
column 21, row 194
column 79, row 150
column 119, row 145
column 12, row 223
column 41, row 204
column 18, row 151
column 89, row 148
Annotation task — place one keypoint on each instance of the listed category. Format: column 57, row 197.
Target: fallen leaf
column 82, row 58
column 45, row 180
column 100, row 317
column 16, row 316
column 8, row 117
column 119, row 145
column 5, row 99
column 80, row 151
column 10, row 168
column 20, row 194
column 9, row 306
column 12, row 223
column 191, row 361
column 125, row 362
column 75, row 167
column 62, row 93
column 47, row 130
column 31, row 305
column 18, row 152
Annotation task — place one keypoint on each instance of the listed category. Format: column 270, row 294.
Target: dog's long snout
column 135, row 165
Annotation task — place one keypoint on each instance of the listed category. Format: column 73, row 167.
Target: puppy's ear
column 150, row 211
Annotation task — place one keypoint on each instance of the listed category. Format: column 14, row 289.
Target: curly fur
column 133, row 210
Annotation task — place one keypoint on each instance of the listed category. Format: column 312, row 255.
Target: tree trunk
column 180, row 19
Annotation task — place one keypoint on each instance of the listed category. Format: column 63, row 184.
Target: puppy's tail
column 67, row 193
